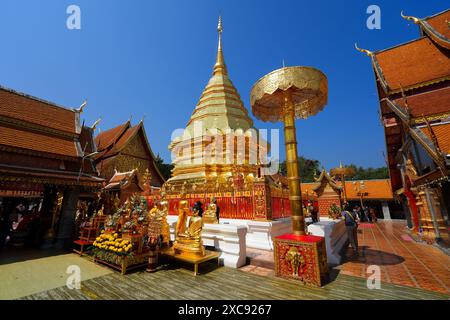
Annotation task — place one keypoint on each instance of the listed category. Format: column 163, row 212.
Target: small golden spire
column 411, row 18
column 369, row 53
column 220, row 66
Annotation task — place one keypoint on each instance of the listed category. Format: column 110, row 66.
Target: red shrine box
column 302, row 258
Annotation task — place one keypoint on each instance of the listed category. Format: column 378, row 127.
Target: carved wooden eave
column 323, row 180
column 418, row 135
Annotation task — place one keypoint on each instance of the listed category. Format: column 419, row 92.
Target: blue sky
column 153, row 58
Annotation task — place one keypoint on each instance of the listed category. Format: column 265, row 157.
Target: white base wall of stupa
column 230, row 239
column 233, row 236
column 261, row 233
column 335, row 235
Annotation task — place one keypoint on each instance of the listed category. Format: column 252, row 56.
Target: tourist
column 351, row 224
column 373, row 215
column 198, row 208
column 366, row 214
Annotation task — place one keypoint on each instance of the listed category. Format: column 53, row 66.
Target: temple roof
column 35, row 111
column 427, row 103
column 440, row 22
column 411, row 65
column 111, row 142
column 121, row 180
column 220, row 105
column 28, row 140
column 442, row 133
column 106, row 138
column 376, row 189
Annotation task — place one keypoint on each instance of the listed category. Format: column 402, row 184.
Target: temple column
column 67, row 218
column 386, row 211
column 431, row 220
column 49, row 201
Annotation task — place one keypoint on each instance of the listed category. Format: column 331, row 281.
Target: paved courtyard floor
column 410, row 270
column 402, row 260
column 221, row 283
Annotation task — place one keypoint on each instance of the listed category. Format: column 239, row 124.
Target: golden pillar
column 293, row 171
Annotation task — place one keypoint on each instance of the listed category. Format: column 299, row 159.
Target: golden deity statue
column 210, row 215
column 164, row 209
column 159, row 213
column 183, row 212
column 189, row 242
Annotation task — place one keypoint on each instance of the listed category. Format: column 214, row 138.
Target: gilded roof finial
column 369, row 53
column 411, row 18
column 220, row 67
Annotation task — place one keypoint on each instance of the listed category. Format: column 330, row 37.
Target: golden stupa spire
column 220, row 66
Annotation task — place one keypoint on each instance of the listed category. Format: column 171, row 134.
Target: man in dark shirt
column 351, row 223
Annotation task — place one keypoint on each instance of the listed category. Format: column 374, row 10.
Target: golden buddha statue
column 190, row 241
column 210, row 215
column 183, row 212
column 164, row 209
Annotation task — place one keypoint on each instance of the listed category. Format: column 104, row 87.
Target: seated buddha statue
column 190, row 241
column 210, row 215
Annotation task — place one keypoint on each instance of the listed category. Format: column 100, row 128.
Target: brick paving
column 387, row 244
column 402, row 260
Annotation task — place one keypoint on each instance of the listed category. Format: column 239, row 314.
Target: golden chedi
column 188, row 240
column 203, row 153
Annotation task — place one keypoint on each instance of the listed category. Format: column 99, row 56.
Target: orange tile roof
column 440, row 24
column 413, row 63
column 26, row 108
column 442, row 133
column 377, row 189
column 108, row 137
column 121, row 143
column 18, row 138
column 428, row 103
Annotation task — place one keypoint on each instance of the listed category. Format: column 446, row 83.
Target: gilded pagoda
column 220, row 154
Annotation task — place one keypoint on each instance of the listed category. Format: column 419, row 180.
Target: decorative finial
column 219, row 25
column 411, row 18
column 340, row 164
column 96, row 123
column 369, row 53
column 80, row 109
column 220, row 67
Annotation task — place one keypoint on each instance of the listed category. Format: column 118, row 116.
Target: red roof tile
column 13, row 137
column 108, row 137
column 440, row 24
column 442, row 133
column 428, row 103
column 413, row 63
column 25, row 108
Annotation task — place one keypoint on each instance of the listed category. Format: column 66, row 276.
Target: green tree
column 369, row 173
column 307, row 168
column 164, row 168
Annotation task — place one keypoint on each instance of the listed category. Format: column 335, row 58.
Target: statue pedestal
column 301, row 258
column 335, row 236
column 229, row 239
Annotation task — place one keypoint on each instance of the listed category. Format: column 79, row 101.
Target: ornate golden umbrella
column 284, row 95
